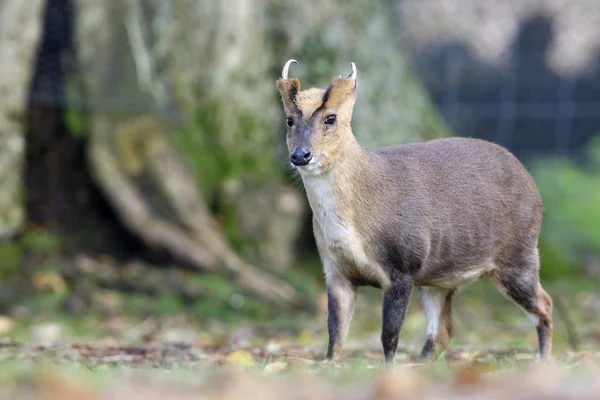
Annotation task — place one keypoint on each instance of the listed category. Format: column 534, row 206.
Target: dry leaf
column 524, row 357
column 275, row 367
column 299, row 364
column 585, row 357
column 5, row 323
column 306, row 337
column 51, row 386
column 50, row 281
column 467, row 376
column 397, row 383
column 300, row 361
column 241, row 358
column 373, row 355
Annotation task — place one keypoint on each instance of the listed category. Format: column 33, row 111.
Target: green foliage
column 215, row 285
column 571, row 197
column 10, row 259
column 224, row 303
column 75, row 119
column 75, row 122
column 40, row 240
column 137, row 304
column 168, row 305
column 554, row 263
column 219, row 145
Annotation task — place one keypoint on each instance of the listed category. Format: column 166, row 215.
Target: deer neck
column 333, row 193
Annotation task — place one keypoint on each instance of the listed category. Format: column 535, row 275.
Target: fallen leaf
column 468, row 375
column 51, row 386
column 306, row 337
column 474, row 355
column 299, row 364
column 296, row 352
column 49, row 281
column 5, row 323
column 240, row 358
column 373, row 355
column 524, row 357
column 47, row 334
column 596, row 336
column 397, row 383
column 300, row 361
column 584, row 357
column 275, row 367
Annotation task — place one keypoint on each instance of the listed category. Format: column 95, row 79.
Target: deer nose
column 300, row 156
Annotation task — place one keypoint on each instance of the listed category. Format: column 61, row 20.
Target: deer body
column 436, row 215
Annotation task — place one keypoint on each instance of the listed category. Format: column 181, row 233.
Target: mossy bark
column 132, row 158
column 208, row 69
column 20, row 28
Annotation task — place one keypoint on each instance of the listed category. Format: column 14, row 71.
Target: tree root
column 188, row 232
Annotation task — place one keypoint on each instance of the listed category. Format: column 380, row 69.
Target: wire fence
column 510, row 76
column 515, row 97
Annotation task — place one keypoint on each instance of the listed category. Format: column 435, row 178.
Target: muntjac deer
column 436, row 215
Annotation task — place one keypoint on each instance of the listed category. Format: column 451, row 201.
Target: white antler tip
column 353, row 73
column 286, row 67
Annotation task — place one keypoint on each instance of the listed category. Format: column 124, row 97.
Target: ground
column 492, row 355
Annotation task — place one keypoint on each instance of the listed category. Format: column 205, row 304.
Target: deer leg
column 396, row 299
column 520, row 282
column 341, row 299
column 437, row 304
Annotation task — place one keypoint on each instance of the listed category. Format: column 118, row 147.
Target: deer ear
column 341, row 92
column 288, row 88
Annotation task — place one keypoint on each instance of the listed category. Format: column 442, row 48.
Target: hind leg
column 520, row 282
column 437, row 304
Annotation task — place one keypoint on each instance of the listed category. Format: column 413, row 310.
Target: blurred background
column 145, row 188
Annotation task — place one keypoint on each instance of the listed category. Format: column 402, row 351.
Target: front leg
column 341, row 299
column 396, row 299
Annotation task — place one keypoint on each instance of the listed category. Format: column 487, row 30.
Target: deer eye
column 289, row 121
column 330, row 119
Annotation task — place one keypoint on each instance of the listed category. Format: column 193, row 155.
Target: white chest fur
column 346, row 251
column 335, row 224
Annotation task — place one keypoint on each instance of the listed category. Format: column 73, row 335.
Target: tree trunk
column 20, row 28
column 392, row 106
column 60, row 195
column 105, row 164
column 131, row 157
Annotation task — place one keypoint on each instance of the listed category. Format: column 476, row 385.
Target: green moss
column 40, row 240
column 137, row 304
column 554, row 264
column 168, row 305
column 10, row 260
column 214, row 285
column 75, row 122
column 571, row 195
column 220, row 145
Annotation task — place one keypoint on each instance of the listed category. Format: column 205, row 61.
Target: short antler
column 286, row 67
column 353, row 73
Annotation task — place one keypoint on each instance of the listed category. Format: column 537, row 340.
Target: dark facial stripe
column 292, row 94
column 326, row 95
column 324, row 101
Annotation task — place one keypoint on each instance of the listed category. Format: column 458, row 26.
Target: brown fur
column 445, row 329
column 437, row 214
column 309, row 100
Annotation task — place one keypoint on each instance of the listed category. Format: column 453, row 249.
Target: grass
column 492, row 336
column 355, row 379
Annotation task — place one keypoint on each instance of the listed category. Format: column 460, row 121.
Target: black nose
column 300, row 156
